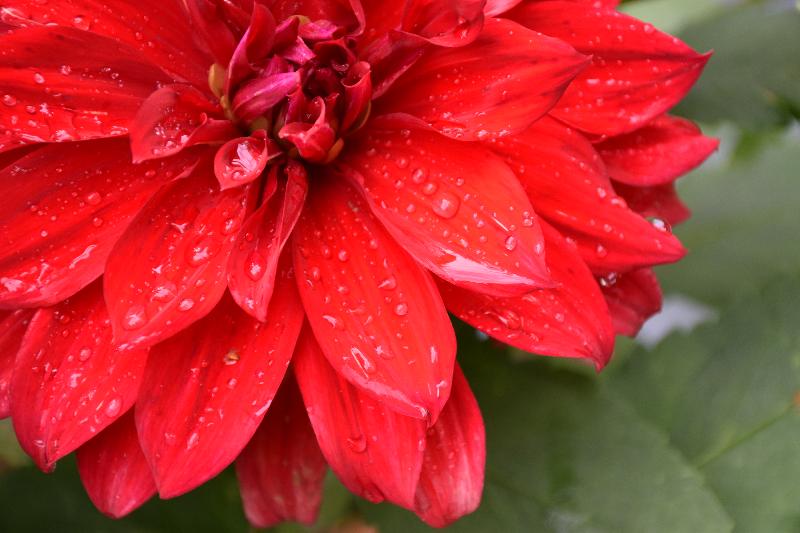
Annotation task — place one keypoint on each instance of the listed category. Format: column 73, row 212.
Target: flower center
column 298, row 84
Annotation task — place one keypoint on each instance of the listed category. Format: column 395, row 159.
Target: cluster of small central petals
column 297, row 86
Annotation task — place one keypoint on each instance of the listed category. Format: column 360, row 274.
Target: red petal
column 444, row 22
column 632, row 298
column 254, row 261
column 659, row 202
column 451, row 481
column 13, row 325
column 207, row 389
column 242, row 160
column 113, row 469
column 62, row 84
column 375, row 452
column 569, row 321
column 637, row 72
column 69, row 381
column 432, row 195
column 658, row 153
column 156, row 29
column 501, row 83
column 172, row 118
column 62, row 208
column 168, row 268
column 374, row 311
column 282, row 469
column 567, row 185
column 210, row 30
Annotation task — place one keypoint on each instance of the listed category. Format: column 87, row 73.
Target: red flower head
column 195, row 193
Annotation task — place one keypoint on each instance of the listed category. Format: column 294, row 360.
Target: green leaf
column 727, row 396
column 754, row 77
column 744, row 217
column 566, row 454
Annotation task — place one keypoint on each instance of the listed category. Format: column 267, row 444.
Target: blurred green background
column 699, row 433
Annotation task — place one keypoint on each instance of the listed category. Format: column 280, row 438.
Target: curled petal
column 658, row 153
column 242, row 160
column 173, row 118
column 467, row 96
column 254, row 261
column 375, row 452
column 451, row 481
column 252, row 48
column 63, row 84
column 114, row 471
column 207, row 389
column 168, row 269
column 567, row 184
column 449, row 23
column 314, row 141
column 632, row 298
column 281, row 470
column 259, row 95
column 13, row 325
column 375, row 312
column 59, row 221
column 357, row 96
column 637, row 72
column 496, row 7
column 433, row 196
column 69, row 380
column 570, row 320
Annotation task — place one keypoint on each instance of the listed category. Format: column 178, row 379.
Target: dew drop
column 113, row 407
column 388, row 284
column 446, row 205
column 9, row 100
column 357, row 444
column 134, row 318
column 401, row 309
column 511, row 243
column 84, row 354
column 255, row 266
column 186, row 304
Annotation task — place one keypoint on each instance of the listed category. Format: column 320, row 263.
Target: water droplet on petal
column 446, row 205
column 113, row 407
column 134, row 318
column 401, row 309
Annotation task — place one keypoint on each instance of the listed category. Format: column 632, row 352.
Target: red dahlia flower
column 197, row 193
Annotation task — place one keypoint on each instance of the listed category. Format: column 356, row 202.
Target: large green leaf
column 566, row 454
column 727, row 397
column 754, row 77
column 745, row 219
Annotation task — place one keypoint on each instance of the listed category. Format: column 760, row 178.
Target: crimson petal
column 637, row 72
column 207, row 389
column 242, row 160
column 13, row 325
column 632, row 298
column 69, row 381
column 374, row 311
column 658, row 153
column 451, row 481
column 168, row 269
column 281, row 470
column 375, row 452
column 62, row 208
column 114, row 471
column 175, row 117
column 569, row 321
column 63, row 84
column 450, row 23
column 254, row 261
column 433, row 196
column 462, row 94
column 156, row 29
column 566, row 183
